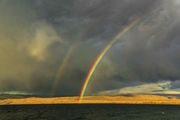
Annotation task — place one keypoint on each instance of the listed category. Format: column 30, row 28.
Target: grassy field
column 128, row 99
column 90, row 112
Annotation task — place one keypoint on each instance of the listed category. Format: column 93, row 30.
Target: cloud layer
column 37, row 36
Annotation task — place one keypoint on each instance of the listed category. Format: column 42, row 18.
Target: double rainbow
column 102, row 54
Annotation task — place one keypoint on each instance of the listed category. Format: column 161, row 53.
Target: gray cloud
column 37, row 35
column 146, row 54
column 150, row 88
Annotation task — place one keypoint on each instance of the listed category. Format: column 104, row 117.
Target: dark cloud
column 146, row 54
column 37, row 35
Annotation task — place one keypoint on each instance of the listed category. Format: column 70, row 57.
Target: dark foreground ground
column 90, row 112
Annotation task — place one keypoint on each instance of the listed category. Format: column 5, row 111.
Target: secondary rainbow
column 62, row 68
column 101, row 55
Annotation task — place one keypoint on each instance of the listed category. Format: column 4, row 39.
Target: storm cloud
column 37, row 36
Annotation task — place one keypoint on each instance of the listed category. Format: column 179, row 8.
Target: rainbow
column 101, row 55
column 62, row 68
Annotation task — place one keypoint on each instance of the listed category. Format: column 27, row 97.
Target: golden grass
column 137, row 99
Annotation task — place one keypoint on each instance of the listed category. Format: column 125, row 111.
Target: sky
column 48, row 47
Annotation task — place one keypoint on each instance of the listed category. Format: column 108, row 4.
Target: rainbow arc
column 102, row 54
